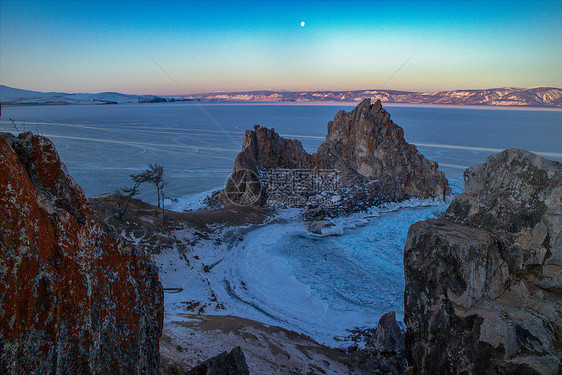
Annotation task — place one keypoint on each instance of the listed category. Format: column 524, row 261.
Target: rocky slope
column 267, row 349
column 364, row 161
column 536, row 97
column 73, row 299
column 483, row 283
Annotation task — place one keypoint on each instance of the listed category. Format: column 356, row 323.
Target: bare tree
column 157, row 178
column 138, row 179
column 154, row 175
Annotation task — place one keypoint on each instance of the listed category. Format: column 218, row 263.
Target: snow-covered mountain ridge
column 536, row 97
column 504, row 96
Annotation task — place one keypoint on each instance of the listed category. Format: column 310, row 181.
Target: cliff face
column 73, row 299
column 264, row 148
column 483, row 283
column 367, row 150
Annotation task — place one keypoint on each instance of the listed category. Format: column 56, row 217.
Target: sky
column 179, row 47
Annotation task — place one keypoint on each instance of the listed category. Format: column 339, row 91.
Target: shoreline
column 212, row 263
column 301, row 103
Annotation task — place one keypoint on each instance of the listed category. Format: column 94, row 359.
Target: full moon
column 302, row 23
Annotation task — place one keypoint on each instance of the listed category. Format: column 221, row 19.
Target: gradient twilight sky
column 93, row 46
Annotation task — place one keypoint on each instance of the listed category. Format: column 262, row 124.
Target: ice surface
column 197, row 143
column 280, row 274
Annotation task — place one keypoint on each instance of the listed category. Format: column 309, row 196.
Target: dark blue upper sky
column 90, row 46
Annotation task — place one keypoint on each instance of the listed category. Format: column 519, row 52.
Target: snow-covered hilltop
column 9, row 95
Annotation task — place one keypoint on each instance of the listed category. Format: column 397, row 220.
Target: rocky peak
column 388, row 337
column 264, row 148
column 518, row 195
column 384, row 348
column 483, row 283
column 365, row 141
column 73, row 298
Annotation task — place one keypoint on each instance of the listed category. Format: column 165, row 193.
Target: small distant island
column 504, row 96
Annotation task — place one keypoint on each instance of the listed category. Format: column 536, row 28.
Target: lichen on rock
column 73, row 298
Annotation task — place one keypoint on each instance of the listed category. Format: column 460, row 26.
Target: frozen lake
column 278, row 273
column 197, row 143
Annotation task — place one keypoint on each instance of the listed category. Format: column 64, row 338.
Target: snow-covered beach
column 280, row 274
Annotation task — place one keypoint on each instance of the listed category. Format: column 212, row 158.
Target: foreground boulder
column 483, row 283
column 73, row 299
column 388, row 337
column 226, row 363
column 364, row 161
column 384, row 349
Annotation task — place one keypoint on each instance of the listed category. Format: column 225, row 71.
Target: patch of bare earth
column 143, row 221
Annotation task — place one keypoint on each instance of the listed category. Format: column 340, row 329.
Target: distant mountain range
column 505, row 96
column 536, row 97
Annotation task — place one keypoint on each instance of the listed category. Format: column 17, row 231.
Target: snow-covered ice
column 280, row 274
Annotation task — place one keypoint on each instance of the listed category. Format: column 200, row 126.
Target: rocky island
column 364, row 161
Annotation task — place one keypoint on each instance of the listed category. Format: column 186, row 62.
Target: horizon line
column 290, row 91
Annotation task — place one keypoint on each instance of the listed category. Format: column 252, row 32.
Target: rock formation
column 366, row 143
column 264, row 148
column 388, row 337
column 483, row 283
column 368, row 151
column 231, row 363
column 73, row 298
column 384, row 349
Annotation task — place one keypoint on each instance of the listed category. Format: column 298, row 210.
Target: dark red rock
column 73, row 299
